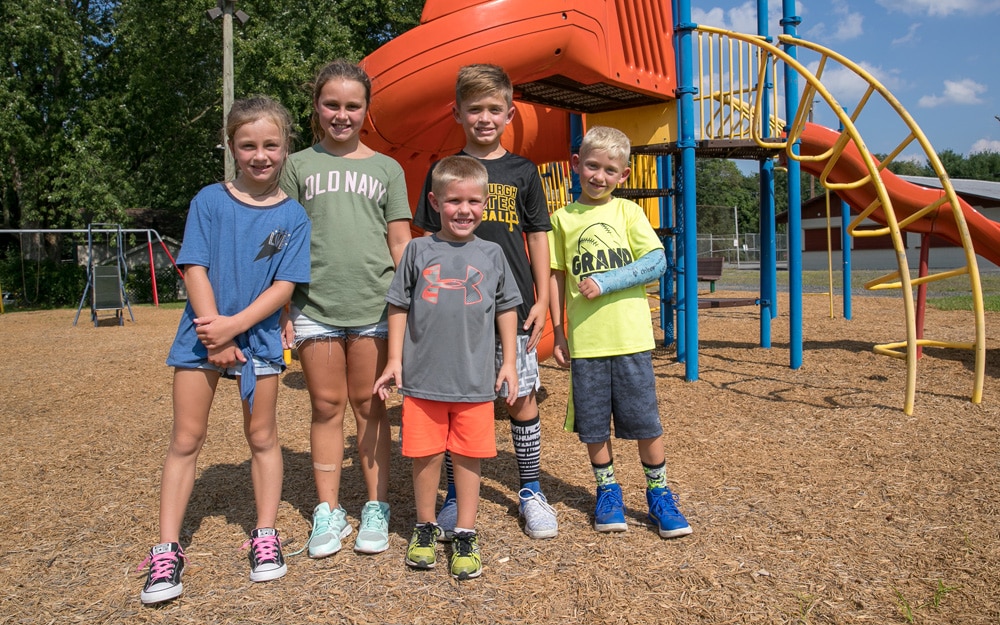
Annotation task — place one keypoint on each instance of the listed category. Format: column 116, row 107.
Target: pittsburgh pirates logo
column 473, row 277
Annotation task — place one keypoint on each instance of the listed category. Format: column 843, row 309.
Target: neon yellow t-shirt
column 593, row 239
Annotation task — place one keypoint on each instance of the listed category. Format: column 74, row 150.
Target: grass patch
column 964, row 302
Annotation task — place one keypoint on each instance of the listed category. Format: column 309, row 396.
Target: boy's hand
column 560, row 351
column 588, row 288
column 216, row 330
column 393, row 372
column 508, row 374
column 536, row 323
column 225, row 356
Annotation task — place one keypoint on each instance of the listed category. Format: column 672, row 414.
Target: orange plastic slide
column 584, row 56
column 907, row 198
column 581, row 56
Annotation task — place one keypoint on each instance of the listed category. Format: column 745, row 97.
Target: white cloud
column 985, row 145
column 942, row 7
column 918, row 158
column 741, row 19
column 909, row 37
column 965, row 91
column 848, row 87
column 848, row 25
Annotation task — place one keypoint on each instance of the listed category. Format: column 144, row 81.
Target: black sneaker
column 166, row 563
column 266, row 561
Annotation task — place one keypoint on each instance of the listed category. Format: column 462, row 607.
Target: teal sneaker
column 421, row 553
column 466, row 562
column 663, row 512
column 329, row 527
column 373, row 533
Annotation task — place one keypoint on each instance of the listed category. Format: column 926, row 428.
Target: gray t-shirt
column 453, row 292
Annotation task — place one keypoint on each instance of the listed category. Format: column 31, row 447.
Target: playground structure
column 680, row 91
column 105, row 281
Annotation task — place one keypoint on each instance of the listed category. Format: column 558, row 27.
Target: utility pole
column 226, row 9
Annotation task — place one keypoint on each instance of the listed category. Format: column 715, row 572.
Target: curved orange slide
column 581, row 56
column 907, row 198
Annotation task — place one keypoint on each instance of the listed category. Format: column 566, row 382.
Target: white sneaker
column 539, row 517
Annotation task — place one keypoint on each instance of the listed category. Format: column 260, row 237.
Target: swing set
column 106, row 277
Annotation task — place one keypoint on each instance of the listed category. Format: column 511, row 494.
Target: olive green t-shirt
column 350, row 202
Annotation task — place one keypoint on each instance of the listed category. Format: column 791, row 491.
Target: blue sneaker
column 447, row 518
column 609, row 514
column 664, row 514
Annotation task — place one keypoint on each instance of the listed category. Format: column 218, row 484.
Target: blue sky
column 939, row 58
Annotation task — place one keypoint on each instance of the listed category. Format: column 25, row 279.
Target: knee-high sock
column 527, row 437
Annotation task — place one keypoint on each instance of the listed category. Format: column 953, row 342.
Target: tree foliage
column 113, row 104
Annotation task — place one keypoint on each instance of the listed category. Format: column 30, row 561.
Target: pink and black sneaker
column 166, row 563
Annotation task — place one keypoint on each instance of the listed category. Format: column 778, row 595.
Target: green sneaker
column 465, row 560
column 421, row 554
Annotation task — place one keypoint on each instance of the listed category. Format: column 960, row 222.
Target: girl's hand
column 287, row 329
column 393, row 372
column 216, row 330
column 228, row 355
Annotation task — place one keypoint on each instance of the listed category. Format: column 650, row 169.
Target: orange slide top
column 583, row 57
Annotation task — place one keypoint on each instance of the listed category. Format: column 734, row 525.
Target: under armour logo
column 472, row 279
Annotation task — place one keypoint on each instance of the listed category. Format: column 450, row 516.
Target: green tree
column 721, row 187
column 54, row 173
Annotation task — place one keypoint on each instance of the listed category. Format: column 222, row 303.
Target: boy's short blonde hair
column 611, row 140
column 482, row 79
column 458, row 168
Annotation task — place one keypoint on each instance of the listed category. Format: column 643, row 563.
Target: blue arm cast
column 643, row 271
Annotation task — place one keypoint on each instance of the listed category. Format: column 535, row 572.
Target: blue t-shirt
column 245, row 248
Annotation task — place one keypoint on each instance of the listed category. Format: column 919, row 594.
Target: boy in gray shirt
column 453, row 293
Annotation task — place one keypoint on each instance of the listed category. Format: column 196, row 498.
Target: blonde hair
column 344, row 70
column 249, row 110
column 611, row 140
column 482, row 79
column 458, row 168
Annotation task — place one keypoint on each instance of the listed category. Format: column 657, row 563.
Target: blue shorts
column 307, row 329
column 260, row 367
column 616, row 388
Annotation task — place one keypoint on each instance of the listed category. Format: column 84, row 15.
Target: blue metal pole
column 789, row 22
column 575, row 141
column 687, row 216
column 664, row 180
column 768, row 244
column 845, row 252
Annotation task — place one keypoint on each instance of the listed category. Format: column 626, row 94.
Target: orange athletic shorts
column 433, row 427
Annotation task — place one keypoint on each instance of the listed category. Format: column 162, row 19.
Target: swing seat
column 106, row 292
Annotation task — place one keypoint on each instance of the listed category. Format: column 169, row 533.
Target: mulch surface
column 813, row 497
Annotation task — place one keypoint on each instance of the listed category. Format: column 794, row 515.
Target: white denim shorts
column 307, row 329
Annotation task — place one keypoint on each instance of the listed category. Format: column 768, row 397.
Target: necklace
column 272, row 190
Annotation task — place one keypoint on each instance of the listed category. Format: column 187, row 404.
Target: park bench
column 710, row 270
